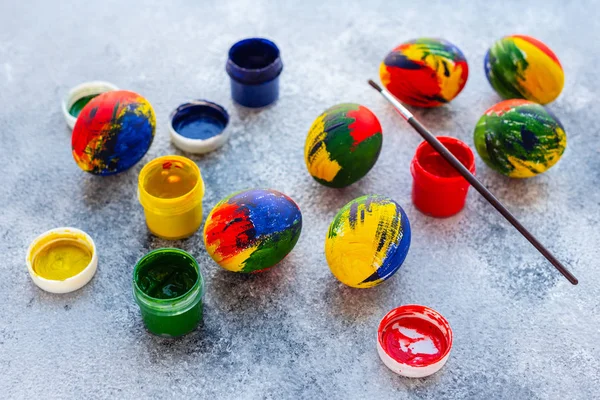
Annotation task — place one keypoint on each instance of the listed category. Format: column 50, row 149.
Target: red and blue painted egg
column 252, row 230
column 425, row 72
column 113, row 132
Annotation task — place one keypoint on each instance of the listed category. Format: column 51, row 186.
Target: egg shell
column 252, row 230
column 425, row 72
column 519, row 138
column 521, row 67
column 342, row 145
column 113, row 132
column 367, row 241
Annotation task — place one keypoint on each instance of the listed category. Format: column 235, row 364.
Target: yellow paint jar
column 170, row 188
column 62, row 260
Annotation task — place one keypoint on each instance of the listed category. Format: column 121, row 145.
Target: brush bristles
column 375, row 86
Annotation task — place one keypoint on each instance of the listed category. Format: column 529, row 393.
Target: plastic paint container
column 414, row 341
column 62, row 260
column 79, row 96
column 168, row 286
column 438, row 189
column 199, row 126
column 254, row 66
column 170, row 188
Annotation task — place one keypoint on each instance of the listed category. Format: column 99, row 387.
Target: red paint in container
column 414, row 341
column 438, row 189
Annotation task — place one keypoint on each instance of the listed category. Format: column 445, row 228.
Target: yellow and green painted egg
column 342, row 145
column 521, row 67
column 519, row 138
column 367, row 241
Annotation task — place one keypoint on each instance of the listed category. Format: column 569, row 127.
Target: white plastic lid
column 71, row 283
column 414, row 341
column 199, row 126
column 80, row 91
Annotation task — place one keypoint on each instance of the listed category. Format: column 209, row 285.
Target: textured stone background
column 521, row 330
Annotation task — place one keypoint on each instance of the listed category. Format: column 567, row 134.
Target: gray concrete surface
column 521, row 330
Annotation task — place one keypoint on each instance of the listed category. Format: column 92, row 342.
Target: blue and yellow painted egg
column 113, row 132
column 342, row 145
column 367, row 241
column 521, row 67
column 425, row 72
column 252, row 230
column 519, row 138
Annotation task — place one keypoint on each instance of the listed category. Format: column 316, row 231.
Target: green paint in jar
column 79, row 104
column 168, row 287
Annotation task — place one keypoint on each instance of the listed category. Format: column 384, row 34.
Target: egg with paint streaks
column 252, row 230
column 425, row 72
column 113, row 132
column 519, row 138
column 521, row 67
column 342, row 145
column 367, row 241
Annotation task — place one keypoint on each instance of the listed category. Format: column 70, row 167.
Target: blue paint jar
column 254, row 66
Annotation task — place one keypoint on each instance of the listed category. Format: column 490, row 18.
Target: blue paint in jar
column 254, row 66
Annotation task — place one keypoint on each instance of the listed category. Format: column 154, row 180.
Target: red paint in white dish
column 414, row 341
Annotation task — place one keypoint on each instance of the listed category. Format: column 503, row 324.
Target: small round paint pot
column 79, row 96
column 170, row 188
column 62, row 260
column 254, row 66
column 414, row 341
column 438, row 189
column 199, row 126
column 168, row 286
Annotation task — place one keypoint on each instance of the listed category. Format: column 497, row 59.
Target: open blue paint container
column 199, row 126
column 254, row 66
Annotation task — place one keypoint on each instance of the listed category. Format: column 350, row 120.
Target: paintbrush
column 460, row 168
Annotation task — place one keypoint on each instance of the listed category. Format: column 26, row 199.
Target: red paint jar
column 414, row 341
column 438, row 189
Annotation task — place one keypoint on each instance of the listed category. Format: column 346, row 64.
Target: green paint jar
column 168, row 286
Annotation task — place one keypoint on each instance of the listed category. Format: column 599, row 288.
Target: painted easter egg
column 367, row 241
column 519, row 138
column 252, row 230
column 425, row 72
column 342, row 145
column 521, row 67
column 113, row 132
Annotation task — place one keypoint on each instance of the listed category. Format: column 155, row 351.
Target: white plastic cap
column 199, row 115
column 421, row 356
column 74, row 282
column 83, row 90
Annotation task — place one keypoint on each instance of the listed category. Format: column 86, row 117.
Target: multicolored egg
column 113, row 132
column 342, row 145
column 425, row 72
column 519, row 138
column 367, row 241
column 252, row 230
column 521, row 67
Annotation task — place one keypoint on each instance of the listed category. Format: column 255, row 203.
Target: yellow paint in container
column 62, row 260
column 170, row 188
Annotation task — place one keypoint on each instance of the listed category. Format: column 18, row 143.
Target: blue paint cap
column 199, row 126
column 254, row 66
